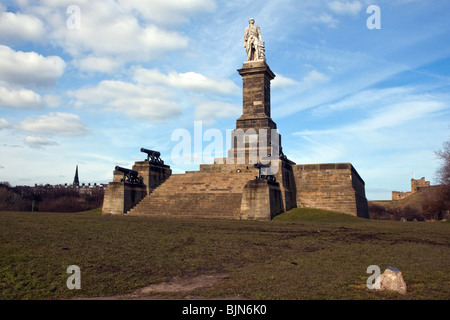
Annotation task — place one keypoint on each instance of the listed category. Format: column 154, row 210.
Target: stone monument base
column 120, row 197
column 261, row 200
column 331, row 186
column 228, row 189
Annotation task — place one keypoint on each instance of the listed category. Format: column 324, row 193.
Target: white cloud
column 345, row 7
column 386, row 116
column 169, row 12
column 152, row 96
column 3, row 123
column 190, row 81
column 55, row 123
column 15, row 27
column 354, row 71
column 281, row 81
column 337, row 8
column 389, row 142
column 27, row 99
column 313, row 77
column 398, row 114
column 20, row 99
column 38, row 143
column 210, row 111
column 110, row 32
column 122, row 39
column 91, row 63
column 29, row 68
column 138, row 102
column 367, row 99
column 327, row 19
column 52, row 100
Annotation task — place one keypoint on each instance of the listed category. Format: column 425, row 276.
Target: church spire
column 76, row 182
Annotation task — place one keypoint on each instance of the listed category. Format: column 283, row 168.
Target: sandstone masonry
column 416, row 185
column 331, row 186
column 231, row 189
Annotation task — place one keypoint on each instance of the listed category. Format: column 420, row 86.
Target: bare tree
column 443, row 173
column 443, row 176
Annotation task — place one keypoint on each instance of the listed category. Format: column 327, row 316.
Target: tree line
column 49, row 199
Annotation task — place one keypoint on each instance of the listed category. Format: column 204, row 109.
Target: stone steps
column 220, row 205
column 196, row 194
column 204, row 182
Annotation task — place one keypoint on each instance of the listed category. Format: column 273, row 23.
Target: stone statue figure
column 253, row 43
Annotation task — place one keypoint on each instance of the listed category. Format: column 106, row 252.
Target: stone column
column 255, row 123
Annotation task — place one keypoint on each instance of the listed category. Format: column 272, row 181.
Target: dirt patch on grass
column 177, row 288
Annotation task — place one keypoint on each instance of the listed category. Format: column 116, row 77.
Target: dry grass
column 303, row 254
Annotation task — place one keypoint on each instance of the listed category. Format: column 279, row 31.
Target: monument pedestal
column 261, row 200
column 120, row 197
column 152, row 174
column 253, row 137
column 232, row 187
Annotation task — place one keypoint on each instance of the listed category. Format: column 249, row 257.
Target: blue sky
column 136, row 71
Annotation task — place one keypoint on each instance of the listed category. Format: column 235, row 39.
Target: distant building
column 416, row 185
column 75, row 185
column 76, row 181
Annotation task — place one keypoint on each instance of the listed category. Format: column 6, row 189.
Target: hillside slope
column 428, row 203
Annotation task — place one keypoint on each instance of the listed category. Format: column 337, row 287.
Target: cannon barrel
column 132, row 173
column 264, row 175
column 151, row 153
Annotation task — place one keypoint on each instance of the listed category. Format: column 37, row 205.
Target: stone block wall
column 152, row 174
column 285, row 177
column 120, row 197
column 332, row 186
column 261, row 200
column 416, row 185
column 398, row 195
column 359, row 186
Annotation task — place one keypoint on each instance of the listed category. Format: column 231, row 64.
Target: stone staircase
column 197, row 194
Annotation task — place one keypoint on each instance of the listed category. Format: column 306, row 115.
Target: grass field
column 302, row 254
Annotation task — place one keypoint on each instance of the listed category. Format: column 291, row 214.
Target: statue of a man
column 253, row 43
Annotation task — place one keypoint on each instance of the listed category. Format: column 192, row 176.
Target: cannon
column 260, row 168
column 130, row 176
column 153, row 156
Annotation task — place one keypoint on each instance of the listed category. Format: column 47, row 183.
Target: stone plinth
column 261, row 200
column 254, row 127
column 152, row 174
column 331, row 186
column 120, row 197
column 256, row 77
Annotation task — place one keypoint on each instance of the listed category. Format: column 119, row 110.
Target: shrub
column 408, row 214
column 12, row 201
column 378, row 212
column 62, row 204
column 436, row 203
